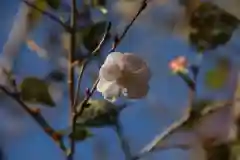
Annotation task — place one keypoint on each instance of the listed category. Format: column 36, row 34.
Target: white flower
column 124, row 74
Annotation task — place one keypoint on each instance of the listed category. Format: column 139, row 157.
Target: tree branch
column 87, row 60
column 118, row 40
column 48, row 14
column 71, row 77
column 173, row 127
column 165, row 134
column 36, row 115
column 187, row 117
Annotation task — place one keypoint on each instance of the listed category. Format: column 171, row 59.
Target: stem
column 48, row 14
column 169, row 131
column 71, row 76
column 119, row 39
column 86, row 61
column 36, row 115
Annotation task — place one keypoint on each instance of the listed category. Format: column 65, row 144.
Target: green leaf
column 100, row 113
column 34, row 15
column 54, row 4
column 100, row 4
column 81, row 133
column 35, row 90
column 92, row 35
column 217, row 77
column 211, row 27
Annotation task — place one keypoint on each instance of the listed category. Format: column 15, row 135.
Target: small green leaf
column 81, row 133
column 35, row 90
column 100, row 113
column 217, row 77
column 92, row 35
column 100, row 5
column 34, row 15
column 54, row 4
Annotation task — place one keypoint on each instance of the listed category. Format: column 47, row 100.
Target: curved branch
column 37, row 116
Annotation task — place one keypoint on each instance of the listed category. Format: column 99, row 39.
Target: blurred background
column 158, row 36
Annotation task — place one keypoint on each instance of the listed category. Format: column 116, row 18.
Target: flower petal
column 136, row 67
column 141, row 76
column 131, row 62
column 109, row 89
column 113, row 58
column 110, row 72
column 139, row 90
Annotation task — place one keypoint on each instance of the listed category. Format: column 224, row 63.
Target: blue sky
column 142, row 121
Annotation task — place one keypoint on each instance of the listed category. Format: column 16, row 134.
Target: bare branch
column 180, row 123
column 159, row 138
column 71, row 76
column 170, row 130
column 119, row 39
column 86, row 61
column 36, row 115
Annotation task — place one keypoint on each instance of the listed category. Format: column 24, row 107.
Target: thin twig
column 76, row 97
column 71, row 77
column 36, row 115
column 86, row 61
column 180, row 123
column 119, row 39
column 169, row 131
column 86, row 99
column 48, row 14
column 158, row 139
